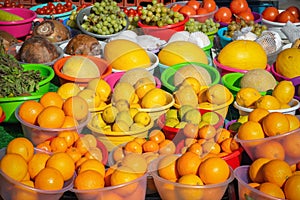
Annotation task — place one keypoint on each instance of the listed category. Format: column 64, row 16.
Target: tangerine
column 272, row 190
column 29, row 111
column 268, row 102
column 14, row 166
column 291, row 187
column 250, row 130
column 58, row 144
column 76, row 107
column 92, row 164
column 275, row 123
column 51, row 117
column 49, row 178
column 271, row 150
column 67, row 90
column 255, row 170
column 257, row 114
column 150, row 146
column 88, row 180
column 52, row 99
column 157, row 136
column 37, row 163
column 133, row 147
column 188, row 163
column 21, row 146
column 167, row 147
column 167, row 167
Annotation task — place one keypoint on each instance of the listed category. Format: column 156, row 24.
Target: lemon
column 284, row 91
column 154, row 98
column 68, row 90
column 101, row 87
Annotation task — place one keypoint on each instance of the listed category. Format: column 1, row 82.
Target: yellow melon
column 288, row 62
column 124, row 54
column 181, row 51
column 244, row 55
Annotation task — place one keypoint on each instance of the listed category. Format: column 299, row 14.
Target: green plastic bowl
column 167, row 77
column 10, row 104
column 232, row 82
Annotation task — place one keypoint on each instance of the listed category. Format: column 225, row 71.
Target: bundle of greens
column 15, row 81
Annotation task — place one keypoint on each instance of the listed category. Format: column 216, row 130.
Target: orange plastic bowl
column 103, row 67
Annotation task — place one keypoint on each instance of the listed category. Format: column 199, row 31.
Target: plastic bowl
column 226, row 69
column 296, row 83
column 245, row 191
column 289, row 142
column 171, row 132
column 59, row 16
column 278, row 76
column 12, row 189
column 232, row 82
column 122, row 191
column 102, row 64
column 224, row 40
column 86, row 12
column 10, row 104
column 19, row 28
column 154, row 60
column 113, row 139
column 167, row 77
column 257, row 19
column 173, row 190
column 294, row 103
column 164, row 32
column 37, row 134
column 113, row 79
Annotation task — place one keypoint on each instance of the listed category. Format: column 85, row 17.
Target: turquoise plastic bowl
column 10, row 104
column 224, row 40
column 167, row 77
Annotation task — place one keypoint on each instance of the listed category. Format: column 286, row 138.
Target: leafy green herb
column 16, row 81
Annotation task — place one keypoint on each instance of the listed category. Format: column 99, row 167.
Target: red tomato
column 238, row 6
column 209, row 5
column 131, row 12
column 294, row 10
column 247, row 16
column 125, row 10
column 140, row 8
column 270, row 13
column 68, row 4
column 285, row 16
column 188, row 10
column 176, row 7
column 194, row 4
column 224, row 14
column 21, row 5
column 201, row 11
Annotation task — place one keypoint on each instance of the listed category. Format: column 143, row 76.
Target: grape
column 233, row 26
column 207, row 26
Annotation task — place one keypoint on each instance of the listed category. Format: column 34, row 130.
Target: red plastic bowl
column 164, row 32
column 278, row 76
column 19, row 28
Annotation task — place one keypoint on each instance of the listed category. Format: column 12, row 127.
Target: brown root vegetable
column 83, row 44
column 37, row 49
column 53, row 30
column 7, row 39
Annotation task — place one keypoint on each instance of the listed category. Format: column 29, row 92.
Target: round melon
column 199, row 73
column 243, row 55
column 124, row 54
column 288, row 62
column 181, row 51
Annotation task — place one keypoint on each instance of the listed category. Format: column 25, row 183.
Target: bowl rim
column 181, row 23
column 34, row 8
column 81, row 124
column 152, row 171
column 221, row 32
column 14, row 23
column 88, row 9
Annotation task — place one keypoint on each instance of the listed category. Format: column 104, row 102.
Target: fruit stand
column 146, row 99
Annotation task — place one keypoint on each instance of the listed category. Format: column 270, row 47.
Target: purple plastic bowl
column 278, row 76
column 19, row 28
column 296, row 83
column 257, row 19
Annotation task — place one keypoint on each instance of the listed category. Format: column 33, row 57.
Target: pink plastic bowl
column 19, row 28
column 225, row 69
column 278, row 76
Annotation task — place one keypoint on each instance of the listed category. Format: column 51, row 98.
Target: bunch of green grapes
column 206, row 27
column 233, row 26
column 105, row 18
column 157, row 14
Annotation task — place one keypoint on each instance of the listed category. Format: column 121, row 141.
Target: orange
column 157, row 136
column 69, row 122
column 272, row 190
column 195, row 148
column 190, row 130
column 52, row 99
column 28, row 183
column 268, row 102
column 207, row 132
column 167, row 167
column 140, row 140
column 229, row 145
column 29, row 111
column 94, row 153
column 92, row 164
column 63, row 163
column 188, row 163
column 257, row 114
column 190, row 179
column 21, row 146
column 51, row 117
column 118, row 154
column 194, row 82
column 150, row 146
column 49, row 178
column 44, row 146
column 213, row 170
column 247, row 96
column 293, row 121
column 90, row 140
column 37, row 163
column 136, row 162
column 80, row 161
column 291, row 145
column 142, row 86
column 254, row 185
column 211, row 147
column 58, row 144
column 189, row 141
column 74, row 153
column 27, row 177
column 190, row 193
column 110, row 195
column 68, row 136
column 222, row 134
column 108, row 174
column 76, row 107
column 67, row 90
column 275, row 123
column 250, row 130
column 14, row 166
column 167, row 147
column 133, row 147
column 81, row 146
column 284, row 91
column 89, row 180
column 255, row 170
column 291, row 187
column 271, row 150
column 276, row 171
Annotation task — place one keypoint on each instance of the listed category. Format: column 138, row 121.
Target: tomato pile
column 131, row 12
column 8, row 4
column 291, row 14
column 195, row 7
column 52, row 9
